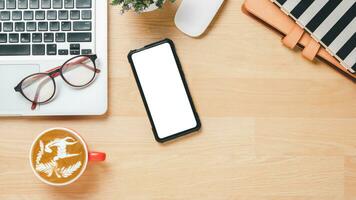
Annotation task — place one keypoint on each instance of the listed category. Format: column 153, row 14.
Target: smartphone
column 164, row 90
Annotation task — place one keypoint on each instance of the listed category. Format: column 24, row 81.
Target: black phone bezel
column 197, row 119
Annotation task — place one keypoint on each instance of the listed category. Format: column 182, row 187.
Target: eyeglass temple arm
column 57, row 74
column 82, row 62
column 34, row 103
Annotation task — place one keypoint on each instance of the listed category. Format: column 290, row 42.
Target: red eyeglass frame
column 55, row 72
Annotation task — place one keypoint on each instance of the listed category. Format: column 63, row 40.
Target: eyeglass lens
column 79, row 71
column 38, row 87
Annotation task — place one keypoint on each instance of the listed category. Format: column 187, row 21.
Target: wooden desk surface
column 275, row 126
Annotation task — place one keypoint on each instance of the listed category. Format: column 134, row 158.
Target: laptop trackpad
column 12, row 102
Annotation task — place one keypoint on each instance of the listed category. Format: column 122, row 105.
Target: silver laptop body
column 79, row 22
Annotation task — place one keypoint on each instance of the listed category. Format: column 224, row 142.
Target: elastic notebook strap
column 293, row 37
column 311, row 49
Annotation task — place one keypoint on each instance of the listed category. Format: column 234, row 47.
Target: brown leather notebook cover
column 293, row 35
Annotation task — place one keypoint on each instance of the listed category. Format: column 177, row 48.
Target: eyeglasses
column 40, row 88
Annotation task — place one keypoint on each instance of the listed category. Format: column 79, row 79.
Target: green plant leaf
column 137, row 5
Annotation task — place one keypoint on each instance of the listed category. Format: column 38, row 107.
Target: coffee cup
column 59, row 156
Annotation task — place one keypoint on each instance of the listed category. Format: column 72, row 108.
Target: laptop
column 62, row 29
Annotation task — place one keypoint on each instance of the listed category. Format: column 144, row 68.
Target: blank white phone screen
column 164, row 90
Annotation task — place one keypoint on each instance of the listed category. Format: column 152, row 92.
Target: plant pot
column 152, row 7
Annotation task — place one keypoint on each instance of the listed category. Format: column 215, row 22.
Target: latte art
column 58, row 156
column 52, row 166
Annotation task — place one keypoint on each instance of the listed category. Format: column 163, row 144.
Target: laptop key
column 28, row 15
column 60, row 37
column 69, row 3
column 13, row 37
column 7, row 27
column 16, row 15
column 86, row 14
column 63, row 52
column 4, row 15
column 74, row 14
column 79, row 37
column 74, row 52
column 38, row 49
column 82, row 26
column 20, row 26
column 51, row 15
column 15, row 50
column 86, row 51
column 51, row 49
column 48, row 37
column 22, row 4
column 54, row 26
column 31, row 26
column 40, row 15
column 83, row 3
column 3, row 38
column 34, row 4
column 46, row 4
column 42, row 26
column 66, row 26
column 25, row 37
column 57, row 4
column 2, row 4
column 36, row 37
column 11, row 4
column 62, row 15
column 74, row 46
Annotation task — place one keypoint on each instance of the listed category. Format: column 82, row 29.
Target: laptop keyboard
column 46, row 27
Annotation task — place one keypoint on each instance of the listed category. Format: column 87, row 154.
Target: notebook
column 330, row 22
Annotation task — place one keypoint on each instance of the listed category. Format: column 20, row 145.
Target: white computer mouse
column 194, row 16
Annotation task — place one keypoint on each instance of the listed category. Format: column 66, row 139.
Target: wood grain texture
column 275, row 126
